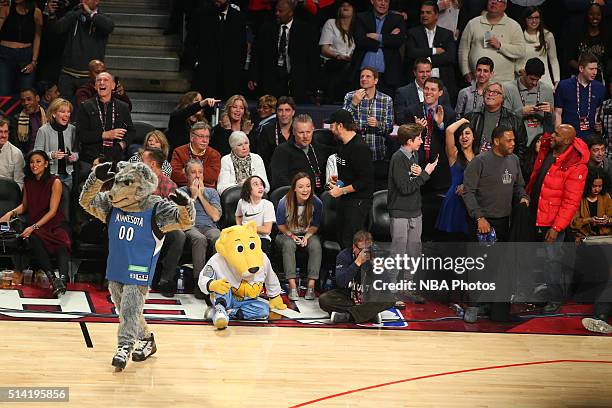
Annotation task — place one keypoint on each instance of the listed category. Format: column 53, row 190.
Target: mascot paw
column 277, row 303
column 247, row 290
column 220, row 286
column 180, row 198
column 103, row 172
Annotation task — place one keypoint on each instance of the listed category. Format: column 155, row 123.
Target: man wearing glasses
column 197, row 149
column 492, row 35
column 493, row 114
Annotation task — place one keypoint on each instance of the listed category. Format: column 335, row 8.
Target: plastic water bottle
column 340, row 183
column 457, row 309
column 180, row 282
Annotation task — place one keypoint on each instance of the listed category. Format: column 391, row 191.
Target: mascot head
column 134, row 182
column 240, row 246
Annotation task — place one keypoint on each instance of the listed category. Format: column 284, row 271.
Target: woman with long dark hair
column 594, row 40
column 298, row 216
column 190, row 109
column 460, row 150
column 530, row 156
column 540, row 43
column 46, row 232
column 594, row 214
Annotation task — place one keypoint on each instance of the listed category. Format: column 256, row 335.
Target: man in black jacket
column 379, row 35
column 428, row 40
column 104, row 126
column 285, row 58
column 492, row 115
column 221, row 49
column 300, row 154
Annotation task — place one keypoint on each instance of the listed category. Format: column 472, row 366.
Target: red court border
column 445, row 374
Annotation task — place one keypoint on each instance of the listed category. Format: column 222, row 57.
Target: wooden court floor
column 283, row 367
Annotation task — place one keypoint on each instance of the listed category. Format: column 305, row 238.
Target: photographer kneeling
column 346, row 303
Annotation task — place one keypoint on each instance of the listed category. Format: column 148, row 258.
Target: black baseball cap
column 341, row 116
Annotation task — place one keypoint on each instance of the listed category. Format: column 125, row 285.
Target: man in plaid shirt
column 173, row 242
column 372, row 112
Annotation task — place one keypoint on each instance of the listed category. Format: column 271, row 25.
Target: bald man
column 88, row 90
column 555, row 188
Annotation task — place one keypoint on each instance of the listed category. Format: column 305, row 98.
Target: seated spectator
column 240, row 164
column 46, row 232
column 266, row 110
column 58, row 139
column 345, row 303
column 594, row 215
column 21, row 26
column 88, row 90
column 300, row 154
column 278, row 131
column 253, row 207
column 104, row 125
column 27, row 122
column 191, row 108
column 471, row 99
column 48, row 92
column 598, row 158
column 11, row 158
column 237, row 111
column 204, row 233
column 298, row 217
column 337, row 46
column 155, row 140
column 197, row 149
column 530, row 156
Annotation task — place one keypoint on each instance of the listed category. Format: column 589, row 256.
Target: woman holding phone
column 594, row 214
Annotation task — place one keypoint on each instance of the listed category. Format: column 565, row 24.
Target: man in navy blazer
column 379, row 35
column 435, row 43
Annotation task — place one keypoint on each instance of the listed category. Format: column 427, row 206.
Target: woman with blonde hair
column 155, row 140
column 58, row 139
column 237, row 110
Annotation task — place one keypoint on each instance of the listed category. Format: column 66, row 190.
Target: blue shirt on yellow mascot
column 235, row 276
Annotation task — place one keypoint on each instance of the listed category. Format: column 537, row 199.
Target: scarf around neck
column 23, row 124
column 242, row 167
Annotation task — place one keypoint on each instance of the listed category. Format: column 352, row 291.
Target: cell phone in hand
column 487, row 37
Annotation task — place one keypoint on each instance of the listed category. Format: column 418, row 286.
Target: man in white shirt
column 11, row 158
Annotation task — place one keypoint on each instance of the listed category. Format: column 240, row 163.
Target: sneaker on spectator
column 471, row 314
column 144, row 348
column 596, row 325
column 220, row 318
column 377, row 319
column 340, row 317
column 552, row 307
column 122, row 356
column 310, row 294
column 293, row 294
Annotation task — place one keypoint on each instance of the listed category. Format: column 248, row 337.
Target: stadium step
column 154, row 81
column 150, row 59
column 137, row 18
column 154, row 102
column 142, row 36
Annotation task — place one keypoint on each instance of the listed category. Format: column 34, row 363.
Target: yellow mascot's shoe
column 220, row 318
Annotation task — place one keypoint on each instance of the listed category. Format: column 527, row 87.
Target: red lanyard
column 103, row 118
column 578, row 98
column 518, row 87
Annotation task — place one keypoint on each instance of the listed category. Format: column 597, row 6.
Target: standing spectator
column 404, row 193
column 20, row 27
column 412, row 94
column 48, row 92
column 449, row 15
column 531, row 155
column 266, row 110
column 11, row 158
column 337, row 46
column 299, row 216
column 493, row 35
column 471, row 99
column 540, row 43
column 578, row 99
column 221, row 49
column 88, row 34
column 237, row 111
column 197, row 149
column 531, row 99
column 253, row 207
column 104, row 125
column 88, row 90
column 278, row 131
column 300, row 154
column 594, row 214
column 46, row 232
column 285, row 58
column 495, row 114
column 606, row 120
column 460, row 151
column 190, row 110
column 597, row 154
column 155, row 140
column 346, row 303
column 556, row 186
column 28, row 121
column 354, row 187
column 379, row 35
column 429, row 40
column 594, row 40
column 204, row 232
column 58, row 139
column 240, row 164
column 372, row 112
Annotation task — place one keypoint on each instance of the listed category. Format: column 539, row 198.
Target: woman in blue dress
column 452, row 217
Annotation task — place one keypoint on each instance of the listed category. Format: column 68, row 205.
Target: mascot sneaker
column 144, row 349
column 122, row 356
column 220, row 319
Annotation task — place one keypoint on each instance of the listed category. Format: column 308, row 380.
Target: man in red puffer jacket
column 555, row 188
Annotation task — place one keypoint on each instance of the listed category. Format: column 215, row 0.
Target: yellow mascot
column 235, row 275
